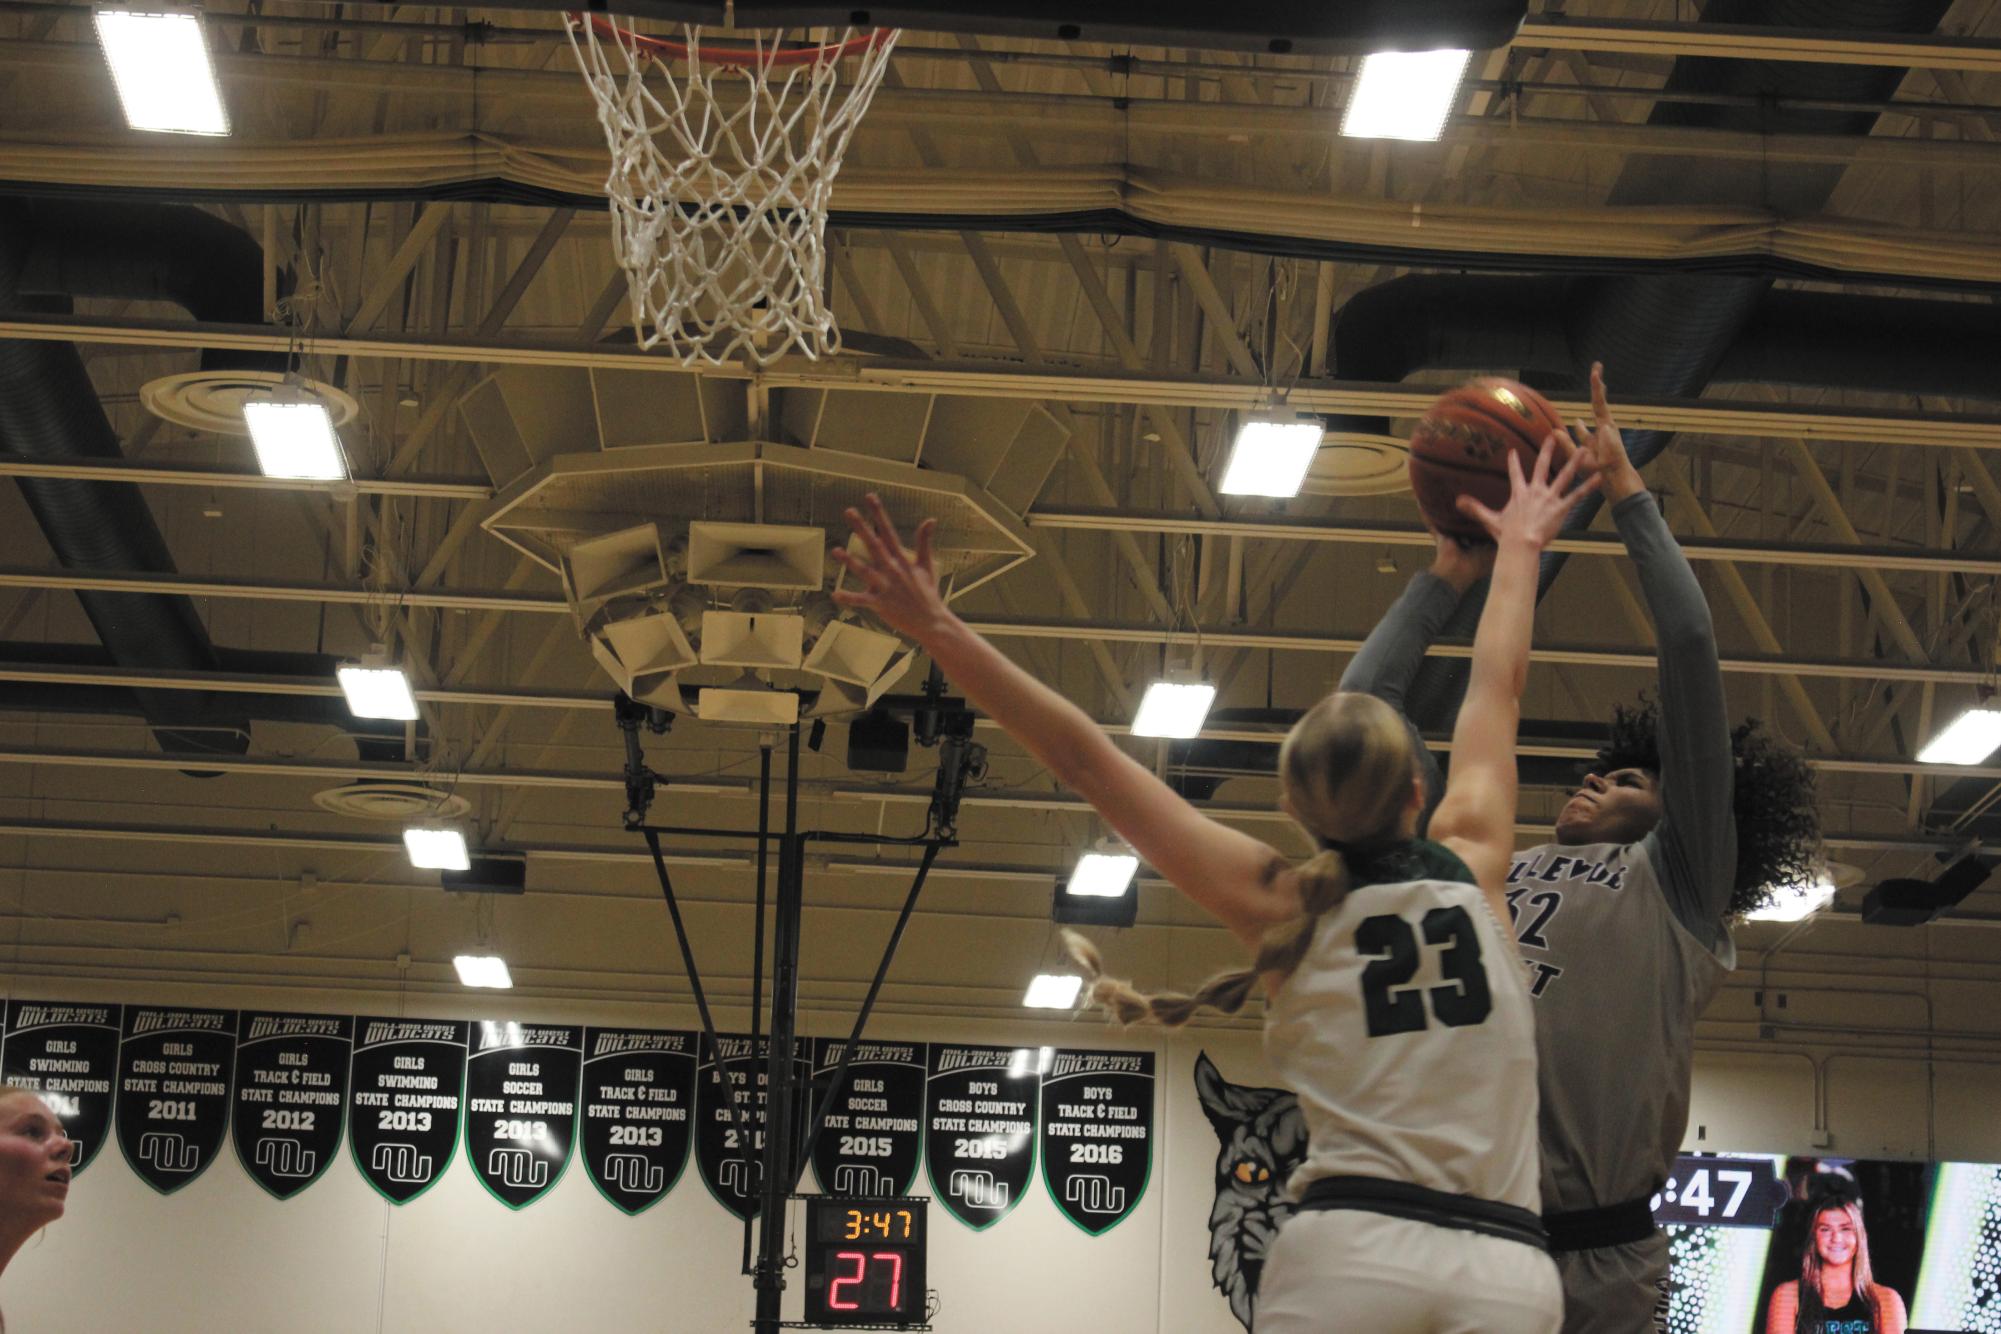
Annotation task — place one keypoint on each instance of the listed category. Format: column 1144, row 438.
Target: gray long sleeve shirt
column 1624, row 945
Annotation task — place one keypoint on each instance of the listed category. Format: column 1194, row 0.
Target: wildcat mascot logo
column 1263, row 1139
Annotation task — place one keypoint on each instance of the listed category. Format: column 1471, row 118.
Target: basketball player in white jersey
column 1622, row 920
column 1398, row 1008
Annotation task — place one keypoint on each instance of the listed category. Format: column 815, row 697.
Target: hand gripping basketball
column 1461, row 446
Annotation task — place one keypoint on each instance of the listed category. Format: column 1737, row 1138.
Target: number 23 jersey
column 1407, row 1034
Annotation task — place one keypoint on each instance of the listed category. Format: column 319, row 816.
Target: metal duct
column 1882, row 344
column 1666, row 334
column 51, row 251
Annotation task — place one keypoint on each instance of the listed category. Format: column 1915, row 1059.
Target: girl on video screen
column 1835, row 1293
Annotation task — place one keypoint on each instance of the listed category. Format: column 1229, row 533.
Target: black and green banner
column 69, row 1055
column 639, row 1112
column 874, row 1134
column 732, row 1102
column 979, row 1128
column 408, row 1093
column 173, row 1091
column 290, row 1096
column 1097, row 1134
column 521, row 1107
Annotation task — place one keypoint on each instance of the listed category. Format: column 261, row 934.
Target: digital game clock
column 865, row 1261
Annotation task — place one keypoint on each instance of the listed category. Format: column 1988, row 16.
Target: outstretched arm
column 1476, row 819
column 1247, row 884
column 1694, row 847
column 1389, row 658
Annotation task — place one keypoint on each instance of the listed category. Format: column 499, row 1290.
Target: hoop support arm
column 819, row 1121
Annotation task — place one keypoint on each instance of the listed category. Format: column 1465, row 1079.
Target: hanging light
column 1271, row 454
column 484, row 970
column 160, row 64
column 437, row 848
column 1052, row 991
column 1404, row 94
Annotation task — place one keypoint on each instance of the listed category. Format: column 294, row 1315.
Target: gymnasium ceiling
column 1062, row 271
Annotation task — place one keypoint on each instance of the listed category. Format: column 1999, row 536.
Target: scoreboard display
column 865, row 1260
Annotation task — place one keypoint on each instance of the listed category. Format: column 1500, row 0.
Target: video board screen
column 1832, row 1244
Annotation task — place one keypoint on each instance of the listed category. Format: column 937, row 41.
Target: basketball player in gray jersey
column 1622, row 920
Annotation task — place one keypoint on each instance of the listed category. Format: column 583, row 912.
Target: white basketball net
column 721, row 169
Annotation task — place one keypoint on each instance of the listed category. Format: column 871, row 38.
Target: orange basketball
column 1461, row 446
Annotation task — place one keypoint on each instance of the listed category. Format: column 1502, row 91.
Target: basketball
column 1461, row 445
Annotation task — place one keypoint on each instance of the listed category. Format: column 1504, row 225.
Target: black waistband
column 1401, row 1199
column 1594, row 1229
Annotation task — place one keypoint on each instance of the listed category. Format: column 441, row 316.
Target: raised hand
column 1536, row 504
column 897, row 584
column 1602, row 447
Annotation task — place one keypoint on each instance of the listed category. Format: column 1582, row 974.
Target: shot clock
column 865, row 1260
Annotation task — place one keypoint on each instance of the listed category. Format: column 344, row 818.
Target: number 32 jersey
column 1408, row 1034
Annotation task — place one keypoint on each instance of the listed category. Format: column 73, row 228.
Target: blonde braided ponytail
column 1348, row 768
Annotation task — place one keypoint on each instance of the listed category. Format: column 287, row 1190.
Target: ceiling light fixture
column 1103, row 874
column 434, row 848
column 295, row 438
column 375, row 689
column 1795, row 903
column 1271, row 454
column 1404, row 94
column 160, row 63
column 484, row 970
column 1174, row 709
column 1971, row 738
column 1052, row 991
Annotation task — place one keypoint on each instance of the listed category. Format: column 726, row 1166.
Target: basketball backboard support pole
column 784, row 1161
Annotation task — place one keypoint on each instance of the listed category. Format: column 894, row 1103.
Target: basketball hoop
column 722, row 162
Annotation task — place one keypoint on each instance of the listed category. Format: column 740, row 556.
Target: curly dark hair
column 1778, row 824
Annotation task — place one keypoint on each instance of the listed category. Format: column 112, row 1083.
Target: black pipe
column 1892, row 345
column 144, row 251
column 781, row 1072
column 51, row 250
column 757, row 926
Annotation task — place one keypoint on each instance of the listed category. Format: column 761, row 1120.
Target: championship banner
column 290, row 1096
column 173, row 1091
column 1097, row 1135
column 521, row 1107
column 729, row 1126
column 69, row 1055
column 875, row 1127
column 979, row 1128
column 639, row 1105
column 408, row 1087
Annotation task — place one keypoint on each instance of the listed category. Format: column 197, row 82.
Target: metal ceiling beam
column 1553, row 31
column 1105, row 631
column 273, row 591
column 312, row 841
column 985, row 380
column 1363, row 533
column 335, row 769
column 16, row 465
column 1563, row 32
column 1073, row 116
column 1086, row 519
